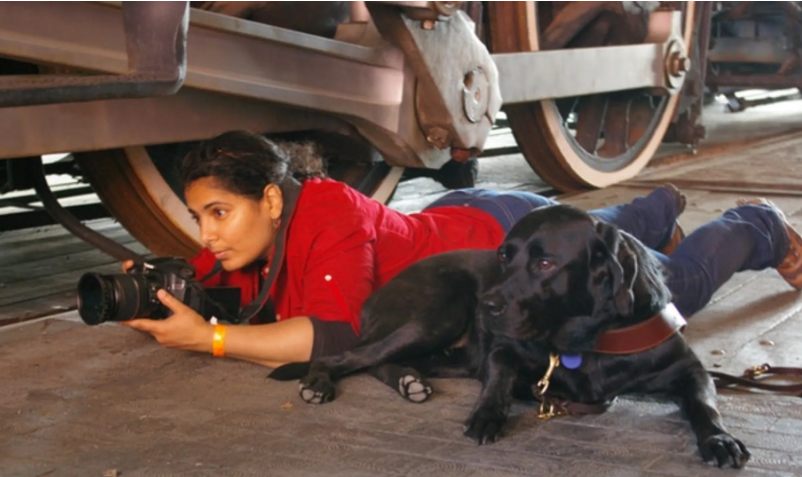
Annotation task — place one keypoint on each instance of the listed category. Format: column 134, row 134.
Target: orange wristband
column 219, row 341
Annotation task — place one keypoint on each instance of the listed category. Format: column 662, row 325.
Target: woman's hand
column 184, row 329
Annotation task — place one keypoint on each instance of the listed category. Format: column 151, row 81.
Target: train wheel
column 589, row 141
column 136, row 185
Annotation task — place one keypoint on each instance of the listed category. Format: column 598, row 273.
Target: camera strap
column 290, row 191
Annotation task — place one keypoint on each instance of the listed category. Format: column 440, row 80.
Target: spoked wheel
column 588, row 141
column 134, row 191
column 138, row 187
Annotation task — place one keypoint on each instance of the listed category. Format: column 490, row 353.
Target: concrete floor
column 94, row 401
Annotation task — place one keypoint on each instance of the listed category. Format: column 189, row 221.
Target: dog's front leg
column 489, row 414
column 317, row 386
column 698, row 401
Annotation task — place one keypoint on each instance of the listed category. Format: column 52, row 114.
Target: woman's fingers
column 141, row 324
column 172, row 302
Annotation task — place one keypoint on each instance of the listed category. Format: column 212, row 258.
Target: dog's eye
column 545, row 265
column 502, row 256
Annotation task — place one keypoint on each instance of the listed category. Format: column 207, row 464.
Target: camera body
column 174, row 275
column 121, row 297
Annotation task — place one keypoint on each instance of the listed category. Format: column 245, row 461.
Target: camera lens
column 120, row 297
column 95, row 297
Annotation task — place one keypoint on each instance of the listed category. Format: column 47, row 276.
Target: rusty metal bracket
column 457, row 96
column 155, row 40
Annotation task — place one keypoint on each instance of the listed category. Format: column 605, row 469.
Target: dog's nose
column 494, row 306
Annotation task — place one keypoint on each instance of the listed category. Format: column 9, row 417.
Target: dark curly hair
column 245, row 163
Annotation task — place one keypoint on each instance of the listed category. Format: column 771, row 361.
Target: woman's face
column 237, row 229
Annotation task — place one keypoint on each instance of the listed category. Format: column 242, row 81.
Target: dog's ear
column 622, row 265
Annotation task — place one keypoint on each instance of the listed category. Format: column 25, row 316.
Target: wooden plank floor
column 40, row 268
column 80, row 401
column 84, row 401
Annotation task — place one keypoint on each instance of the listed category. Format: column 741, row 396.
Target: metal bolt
column 437, row 137
column 679, row 64
column 475, row 101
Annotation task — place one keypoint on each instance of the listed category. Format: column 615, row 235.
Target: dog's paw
column 316, row 389
column 484, row 426
column 723, row 448
column 414, row 388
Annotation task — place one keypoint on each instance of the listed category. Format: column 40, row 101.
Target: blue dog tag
column 571, row 361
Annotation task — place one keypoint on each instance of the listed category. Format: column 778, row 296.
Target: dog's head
column 566, row 278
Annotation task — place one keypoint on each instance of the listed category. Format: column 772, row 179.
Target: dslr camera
column 124, row 296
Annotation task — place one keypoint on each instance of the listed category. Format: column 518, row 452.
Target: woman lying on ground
column 262, row 209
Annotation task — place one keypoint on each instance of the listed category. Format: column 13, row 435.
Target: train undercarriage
column 589, row 89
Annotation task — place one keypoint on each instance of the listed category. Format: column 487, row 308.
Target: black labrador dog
column 559, row 283
column 422, row 323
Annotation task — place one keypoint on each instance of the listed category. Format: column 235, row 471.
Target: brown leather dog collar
column 644, row 335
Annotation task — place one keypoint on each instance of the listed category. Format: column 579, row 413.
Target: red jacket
column 341, row 246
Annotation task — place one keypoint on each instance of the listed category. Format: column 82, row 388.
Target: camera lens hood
column 95, row 295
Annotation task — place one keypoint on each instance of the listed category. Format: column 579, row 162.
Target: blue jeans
column 750, row 237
